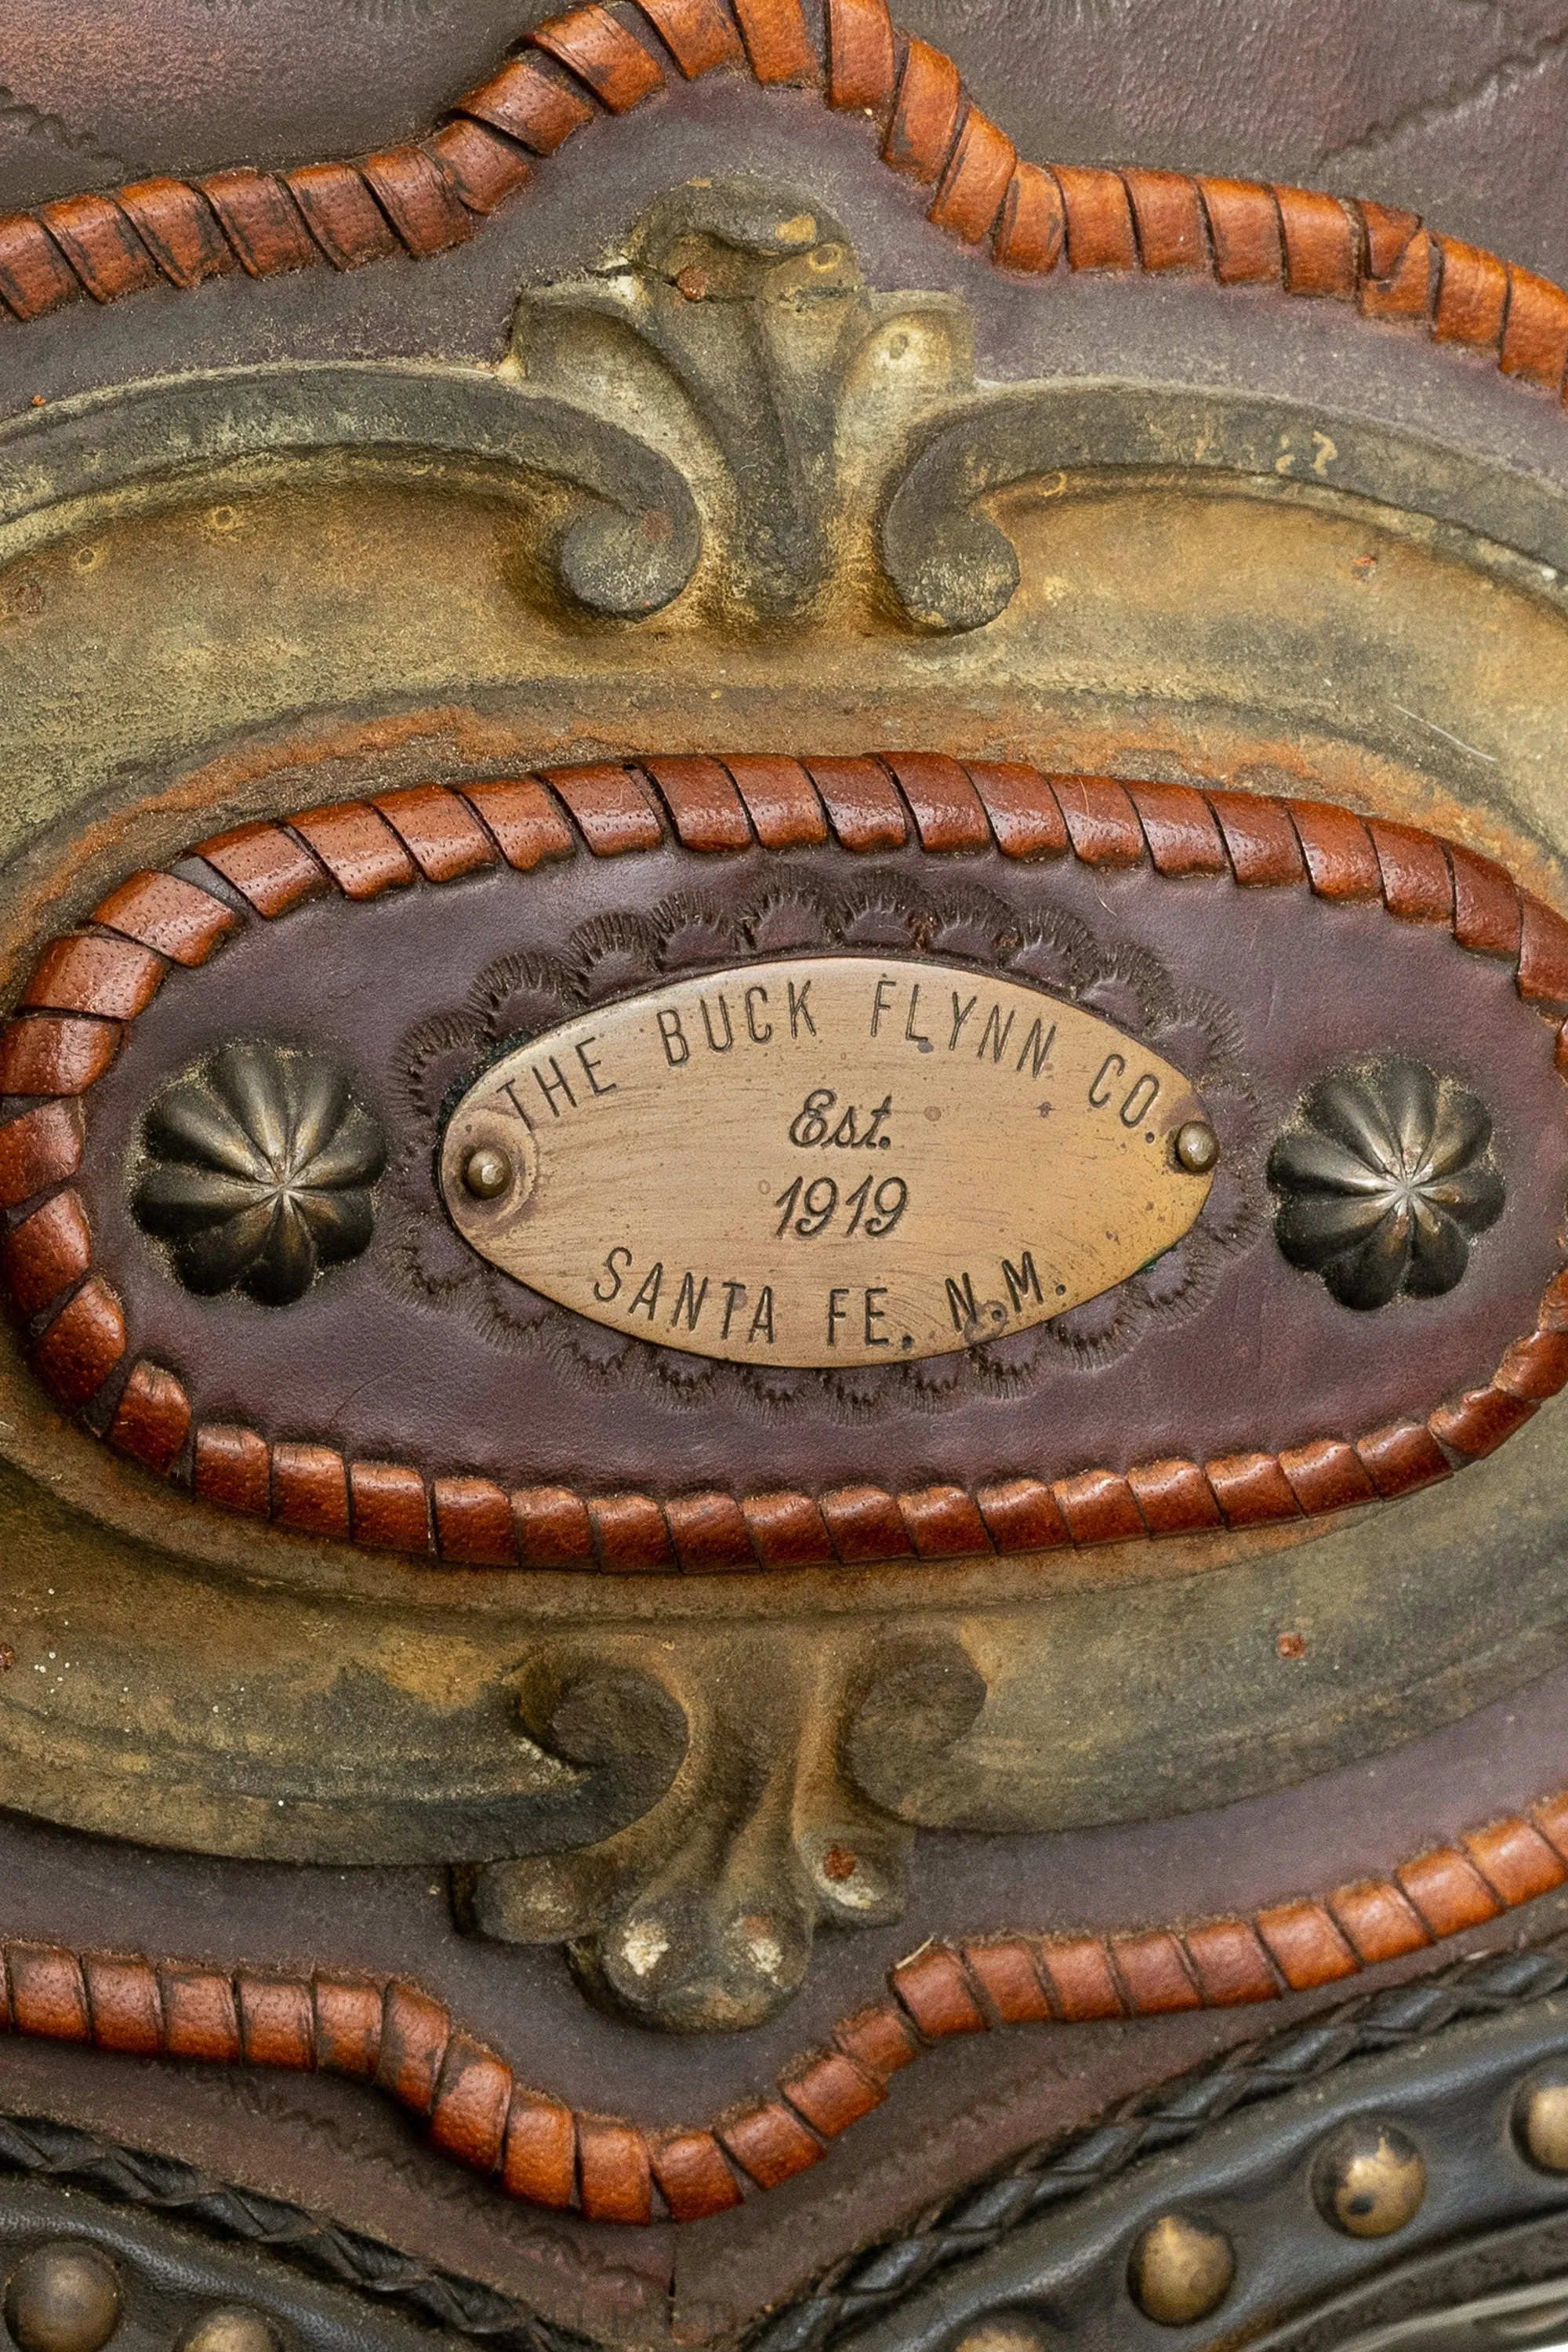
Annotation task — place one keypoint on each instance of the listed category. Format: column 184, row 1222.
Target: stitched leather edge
column 535, row 2148
column 88, row 986
column 600, row 61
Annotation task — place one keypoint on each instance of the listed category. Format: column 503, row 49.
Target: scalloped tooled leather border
column 430, row 193
column 86, row 987
column 544, row 2152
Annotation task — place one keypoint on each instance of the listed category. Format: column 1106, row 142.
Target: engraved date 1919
column 873, row 1212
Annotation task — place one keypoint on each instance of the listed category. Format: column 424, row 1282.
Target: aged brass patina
column 260, row 1173
column 233, row 593
column 1384, row 1181
column 1180, row 2269
column 1369, row 2179
column 65, row 2298
column 1540, row 2119
column 751, row 859
column 831, row 1160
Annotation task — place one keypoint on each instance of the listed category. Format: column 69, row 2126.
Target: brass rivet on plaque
column 487, row 1172
column 63, row 2298
column 1369, row 2181
column 1198, row 1147
column 1541, row 2120
column 1180, row 2270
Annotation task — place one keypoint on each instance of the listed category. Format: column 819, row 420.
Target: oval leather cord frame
column 85, row 989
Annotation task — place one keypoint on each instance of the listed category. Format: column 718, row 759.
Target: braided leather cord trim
column 858, row 2289
column 38, row 2149
column 537, row 2149
column 600, row 61
column 86, row 987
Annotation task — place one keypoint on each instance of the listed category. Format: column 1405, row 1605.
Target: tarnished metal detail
column 700, row 1915
column 64, row 2297
column 102, row 2245
column 751, row 299
column 1007, row 2331
column 778, row 1164
column 1369, row 2179
column 1180, row 2270
column 1540, row 2119
column 1198, row 1147
column 794, row 501
column 260, row 1174
column 1387, row 1177
column 421, row 1759
column 488, row 1173
column 232, row 2328
column 715, row 497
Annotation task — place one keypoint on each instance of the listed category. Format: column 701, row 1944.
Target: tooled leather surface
column 1431, row 103
column 80, row 1341
column 603, row 1407
column 1456, row 137
column 1220, row 1348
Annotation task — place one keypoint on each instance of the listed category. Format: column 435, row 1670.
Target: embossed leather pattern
column 1196, row 1396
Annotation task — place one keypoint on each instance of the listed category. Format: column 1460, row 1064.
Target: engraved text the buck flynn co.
column 830, row 1160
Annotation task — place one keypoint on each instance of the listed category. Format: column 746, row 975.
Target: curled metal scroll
column 630, row 546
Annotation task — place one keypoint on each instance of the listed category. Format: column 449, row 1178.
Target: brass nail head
column 1541, row 2122
column 1003, row 2331
column 1180, row 2269
column 487, row 1172
column 1369, row 2181
column 63, row 2298
column 1198, row 1147
column 234, row 2328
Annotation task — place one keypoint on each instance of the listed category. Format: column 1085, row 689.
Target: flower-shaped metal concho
column 260, row 1170
column 1385, row 1180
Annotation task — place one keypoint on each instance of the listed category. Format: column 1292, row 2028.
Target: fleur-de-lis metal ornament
column 1384, row 1182
column 260, row 1174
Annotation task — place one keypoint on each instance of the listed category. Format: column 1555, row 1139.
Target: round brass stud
column 1198, row 1147
column 487, row 1172
column 1002, row 2331
column 63, row 2298
column 1369, row 2181
column 233, row 2327
column 1540, row 2119
column 1180, row 2269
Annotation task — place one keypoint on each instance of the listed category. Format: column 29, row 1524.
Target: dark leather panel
column 971, row 2103
column 1431, row 104
column 419, row 1352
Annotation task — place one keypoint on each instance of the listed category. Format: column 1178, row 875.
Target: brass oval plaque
column 831, row 1160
